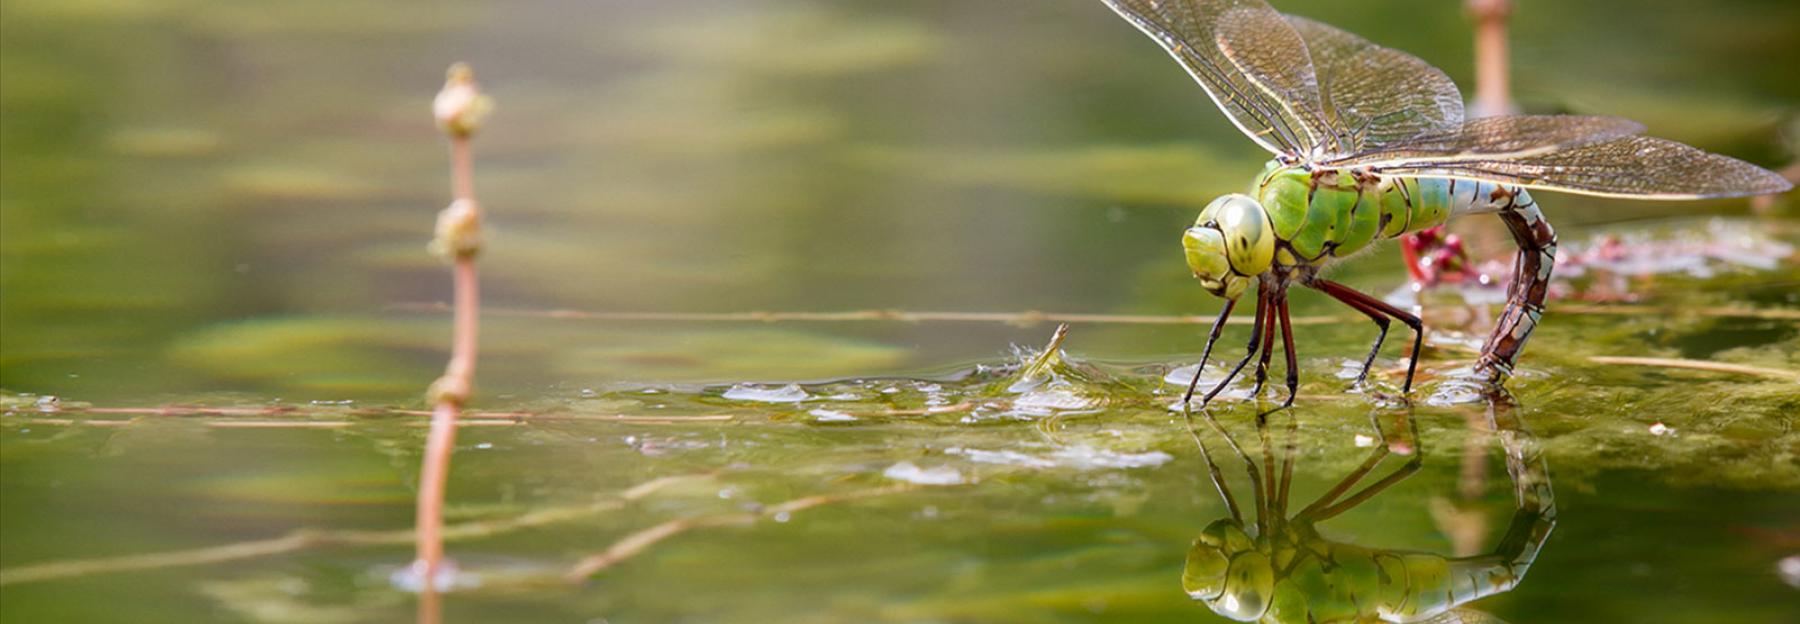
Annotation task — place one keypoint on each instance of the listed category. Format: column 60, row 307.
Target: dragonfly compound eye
column 1205, row 250
column 1249, row 236
column 1203, row 578
column 1211, row 557
column 1206, row 257
column 1248, row 585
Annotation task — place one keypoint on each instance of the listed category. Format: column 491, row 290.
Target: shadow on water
column 1280, row 569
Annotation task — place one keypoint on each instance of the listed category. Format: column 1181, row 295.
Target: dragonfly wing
column 1249, row 60
column 1633, row 166
column 1495, row 138
column 1377, row 95
column 1464, row 615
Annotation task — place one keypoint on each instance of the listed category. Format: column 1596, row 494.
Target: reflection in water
column 1287, row 572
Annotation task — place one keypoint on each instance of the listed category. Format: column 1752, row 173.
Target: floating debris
column 448, row 578
column 791, row 393
column 910, row 473
column 831, row 416
column 1789, row 569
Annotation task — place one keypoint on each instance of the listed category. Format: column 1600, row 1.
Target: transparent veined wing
column 1377, row 95
column 1464, row 615
column 1249, row 60
column 1494, row 138
column 1628, row 166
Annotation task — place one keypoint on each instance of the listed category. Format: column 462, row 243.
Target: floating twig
column 1020, row 319
column 1642, row 310
column 1701, row 365
column 312, row 538
column 302, row 417
column 635, row 543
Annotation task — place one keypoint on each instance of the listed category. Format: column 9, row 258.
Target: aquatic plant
column 460, row 108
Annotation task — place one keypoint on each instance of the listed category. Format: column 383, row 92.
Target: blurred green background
column 223, row 202
column 220, row 196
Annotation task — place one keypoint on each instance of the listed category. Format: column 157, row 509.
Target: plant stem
column 459, row 109
column 1493, row 91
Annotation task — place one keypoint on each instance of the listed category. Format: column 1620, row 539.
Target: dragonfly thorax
column 1232, row 242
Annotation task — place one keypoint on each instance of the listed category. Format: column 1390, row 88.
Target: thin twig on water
column 314, row 538
column 1773, row 314
column 1026, row 318
column 229, row 417
column 640, row 541
column 1699, row 365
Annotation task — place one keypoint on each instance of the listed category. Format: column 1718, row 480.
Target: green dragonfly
column 1370, row 143
column 1286, row 572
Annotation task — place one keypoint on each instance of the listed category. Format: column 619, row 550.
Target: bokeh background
column 214, row 196
column 228, row 203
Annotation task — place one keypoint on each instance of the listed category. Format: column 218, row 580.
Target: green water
column 227, row 204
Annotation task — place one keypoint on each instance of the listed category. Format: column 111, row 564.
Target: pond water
column 226, row 205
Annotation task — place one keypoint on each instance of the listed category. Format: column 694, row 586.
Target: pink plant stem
column 462, row 169
column 430, row 519
column 452, row 390
column 1493, row 92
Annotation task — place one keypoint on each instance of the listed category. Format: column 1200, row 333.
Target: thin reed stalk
column 1493, row 87
column 459, row 109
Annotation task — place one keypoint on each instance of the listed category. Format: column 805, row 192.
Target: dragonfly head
column 1232, row 242
column 1227, row 572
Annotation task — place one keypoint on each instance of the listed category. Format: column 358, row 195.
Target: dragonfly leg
column 1360, row 301
column 1382, row 321
column 1276, row 302
column 1287, row 345
column 1525, row 295
column 1211, row 339
column 1263, row 310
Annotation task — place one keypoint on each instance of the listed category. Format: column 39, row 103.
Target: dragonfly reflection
column 1280, row 569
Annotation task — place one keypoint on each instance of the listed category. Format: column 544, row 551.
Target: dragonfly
column 1286, row 572
column 1371, row 143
